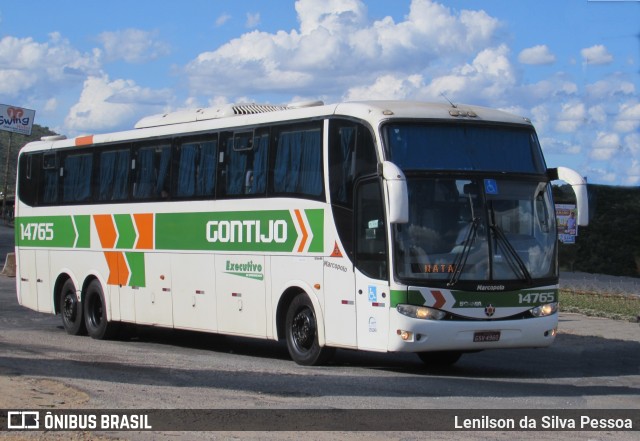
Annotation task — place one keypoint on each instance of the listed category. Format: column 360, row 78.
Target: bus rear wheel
column 71, row 310
column 302, row 334
column 95, row 313
column 440, row 359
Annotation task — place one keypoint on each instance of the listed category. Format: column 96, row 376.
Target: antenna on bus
column 448, row 100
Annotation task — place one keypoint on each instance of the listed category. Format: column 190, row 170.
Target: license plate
column 484, row 336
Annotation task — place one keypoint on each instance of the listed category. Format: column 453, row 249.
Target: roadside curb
column 9, row 269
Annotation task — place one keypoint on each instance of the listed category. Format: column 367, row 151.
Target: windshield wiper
column 461, row 258
column 511, row 254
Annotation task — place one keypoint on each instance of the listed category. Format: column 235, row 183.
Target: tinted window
column 463, row 147
column 152, row 172
column 298, row 162
column 113, row 175
column 196, row 169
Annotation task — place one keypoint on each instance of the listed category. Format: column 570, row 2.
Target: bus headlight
column 544, row 310
column 421, row 312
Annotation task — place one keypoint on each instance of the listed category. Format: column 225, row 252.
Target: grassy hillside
column 17, row 142
column 611, row 242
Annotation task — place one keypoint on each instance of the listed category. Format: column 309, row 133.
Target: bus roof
column 239, row 115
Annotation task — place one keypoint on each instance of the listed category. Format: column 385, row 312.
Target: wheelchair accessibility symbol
column 490, row 186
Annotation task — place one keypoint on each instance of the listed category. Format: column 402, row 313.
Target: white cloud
column 487, row 79
column 597, row 54
column 605, row 146
column 29, row 67
column 108, row 105
column 628, row 118
column 572, row 116
column 537, row 55
column 387, row 87
column 253, row 20
column 222, row 19
column 633, row 173
column 132, row 45
column 337, row 48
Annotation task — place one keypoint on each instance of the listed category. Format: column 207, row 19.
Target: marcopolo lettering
column 248, row 231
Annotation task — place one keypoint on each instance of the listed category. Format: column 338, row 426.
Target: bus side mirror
column 397, row 193
column 579, row 186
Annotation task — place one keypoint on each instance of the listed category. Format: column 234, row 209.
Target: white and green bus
column 385, row 226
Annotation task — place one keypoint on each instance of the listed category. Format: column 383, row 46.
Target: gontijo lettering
column 247, row 231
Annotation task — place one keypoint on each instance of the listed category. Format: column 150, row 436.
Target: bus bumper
column 415, row 335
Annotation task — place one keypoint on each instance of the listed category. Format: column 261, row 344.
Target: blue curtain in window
column 260, row 148
column 162, row 185
column 121, row 176
column 206, row 176
column 50, row 184
column 298, row 167
column 106, row 175
column 77, row 178
column 187, row 168
column 310, row 179
column 114, row 168
column 145, row 178
column 236, row 169
column 285, row 173
column 153, row 172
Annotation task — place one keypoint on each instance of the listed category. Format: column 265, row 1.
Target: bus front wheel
column 95, row 313
column 302, row 333
column 71, row 310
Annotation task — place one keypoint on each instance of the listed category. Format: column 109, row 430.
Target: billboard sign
column 16, row 119
column 566, row 221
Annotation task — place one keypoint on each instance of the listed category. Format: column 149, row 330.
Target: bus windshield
column 476, row 230
column 470, row 147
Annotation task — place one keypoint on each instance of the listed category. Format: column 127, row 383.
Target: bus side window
column 297, row 167
column 371, row 256
column 352, row 155
column 113, row 175
column 76, row 177
column 28, row 178
column 50, row 176
column 152, row 172
column 244, row 168
column 196, row 169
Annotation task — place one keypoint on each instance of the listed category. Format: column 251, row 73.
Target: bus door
column 153, row 303
column 241, row 294
column 35, row 287
column 372, row 286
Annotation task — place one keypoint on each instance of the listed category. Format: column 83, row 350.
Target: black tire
column 440, row 359
column 71, row 310
column 95, row 314
column 302, row 334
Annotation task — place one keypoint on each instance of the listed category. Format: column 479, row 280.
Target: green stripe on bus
column 136, row 266
column 126, row 231
column 316, row 222
column 252, row 231
column 53, row 231
column 83, row 225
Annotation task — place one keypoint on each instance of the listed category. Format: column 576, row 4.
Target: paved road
column 594, row 364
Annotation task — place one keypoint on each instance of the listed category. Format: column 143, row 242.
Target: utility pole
column 6, row 178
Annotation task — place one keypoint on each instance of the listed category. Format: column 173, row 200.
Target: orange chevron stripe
column 440, row 300
column 118, row 271
column 84, row 140
column 144, row 224
column 106, row 230
column 305, row 234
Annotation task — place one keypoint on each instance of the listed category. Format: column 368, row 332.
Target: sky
column 571, row 66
